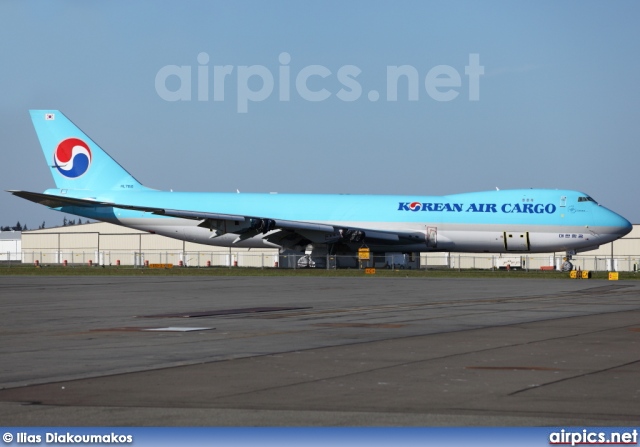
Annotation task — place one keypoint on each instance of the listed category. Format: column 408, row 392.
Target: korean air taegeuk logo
column 72, row 158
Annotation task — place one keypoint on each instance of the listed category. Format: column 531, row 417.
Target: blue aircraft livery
column 89, row 183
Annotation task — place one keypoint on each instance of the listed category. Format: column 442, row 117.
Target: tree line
column 65, row 223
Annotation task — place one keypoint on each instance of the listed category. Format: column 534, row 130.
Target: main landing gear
column 567, row 265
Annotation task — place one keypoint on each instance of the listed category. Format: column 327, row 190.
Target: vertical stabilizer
column 75, row 160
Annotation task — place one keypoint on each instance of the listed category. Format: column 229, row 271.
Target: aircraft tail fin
column 76, row 161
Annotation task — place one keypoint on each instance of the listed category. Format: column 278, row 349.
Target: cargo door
column 516, row 241
column 432, row 237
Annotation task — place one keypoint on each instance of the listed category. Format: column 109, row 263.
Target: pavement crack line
column 573, row 377
column 415, row 362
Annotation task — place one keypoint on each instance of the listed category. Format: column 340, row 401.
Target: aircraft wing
column 253, row 225
column 53, row 201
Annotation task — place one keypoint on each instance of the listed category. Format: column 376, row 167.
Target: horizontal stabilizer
column 57, row 201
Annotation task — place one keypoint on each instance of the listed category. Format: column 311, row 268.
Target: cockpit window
column 586, row 199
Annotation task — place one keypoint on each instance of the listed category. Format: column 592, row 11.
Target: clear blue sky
column 557, row 105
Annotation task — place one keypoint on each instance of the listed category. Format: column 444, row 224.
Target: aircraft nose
column 620, row 225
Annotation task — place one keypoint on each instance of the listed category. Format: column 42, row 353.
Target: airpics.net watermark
column 255, row 83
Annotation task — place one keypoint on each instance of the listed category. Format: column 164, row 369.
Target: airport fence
column 148, row 257
column 10, row 256
column 457, row 261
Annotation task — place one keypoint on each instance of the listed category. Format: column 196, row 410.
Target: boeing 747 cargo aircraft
column 89, row 183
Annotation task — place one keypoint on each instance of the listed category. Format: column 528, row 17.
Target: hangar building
column 10, row 246
column 107, row 244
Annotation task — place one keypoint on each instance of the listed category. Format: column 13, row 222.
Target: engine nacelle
column 263, row 225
